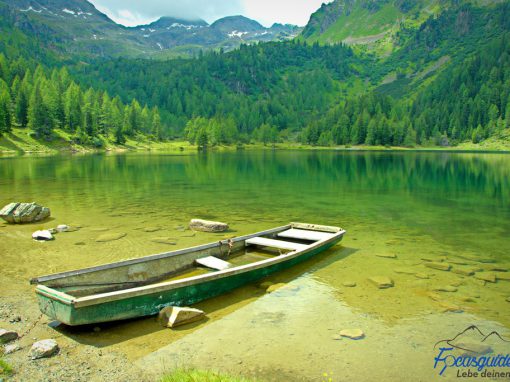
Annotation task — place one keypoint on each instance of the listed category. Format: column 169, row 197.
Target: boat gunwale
column 158, row 256
column 175, row 284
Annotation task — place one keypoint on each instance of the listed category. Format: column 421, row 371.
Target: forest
column 43, row 102
column 273, row 92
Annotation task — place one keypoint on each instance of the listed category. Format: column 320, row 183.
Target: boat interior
column 191, row 262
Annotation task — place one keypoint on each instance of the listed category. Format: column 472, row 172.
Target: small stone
column 382, row 282
column 164, row 240
column 265, row 284
column 473, row 348
column 173, row 316
column 336, row 337
column 405, row 271
column 486, row 276
column 503, row 276
column 468, row 299
column 274, row 287
column 438, row 266
column 434, row 296
column 7, row 336
column 449, row 307
column 110, row 237
column 496, row 268
column 152, row 229
column 434, row 259
column 508, row 299
column 464, row 271
column 43, row 235
column 12, row 348
column 446, row 288
column 62, row 228
column 44, row 349
column 353, row 334
column 80, row 243
column 422, row 276
column 387, row 255
column 457, row 262
column 349, row 284
column 207, row 226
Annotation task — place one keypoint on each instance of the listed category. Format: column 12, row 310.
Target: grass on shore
column 193, row 375
column 21, row 141
column 5, row 368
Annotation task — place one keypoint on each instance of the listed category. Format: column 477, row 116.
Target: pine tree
column 156, row 125
column 5, row 112
column 39, row 119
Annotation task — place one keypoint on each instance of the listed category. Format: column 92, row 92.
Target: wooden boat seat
column 302, row 234
column 265, row 242
column 213, row 263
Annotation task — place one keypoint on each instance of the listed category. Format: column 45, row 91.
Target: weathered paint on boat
column 145, row 301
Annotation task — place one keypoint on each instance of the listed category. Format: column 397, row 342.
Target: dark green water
column 452, row 207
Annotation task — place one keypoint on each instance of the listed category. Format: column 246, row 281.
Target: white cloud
column 267, row 12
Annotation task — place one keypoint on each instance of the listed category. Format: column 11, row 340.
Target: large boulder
column 20, row 213
column 44, row 349
column 173, row 316
column 207, row 226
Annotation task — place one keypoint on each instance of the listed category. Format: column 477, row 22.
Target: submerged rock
column 387, row 255
column 473, row 348
column 349, row 284
column 422, row 276
column 44, row 349
column 21, row 213
column 207, row 226
column 164, row 240
column 353, row 334
column 381, row 282
column 63, row 228
column 7, row 336
column 439, row 266
column 405, row 271
column 464, row 271
column 486, row 276
column 152, row 229
column 508, row 299
column 44, row 235
column 446, row 288
column 110, row 237
column 503, row 276
column 275, row 287
column 173, row 316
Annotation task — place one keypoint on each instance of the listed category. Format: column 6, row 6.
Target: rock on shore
column 7, row 336
column 173, row 316
column 207, row 226
column 20, row 213
column 44, row 349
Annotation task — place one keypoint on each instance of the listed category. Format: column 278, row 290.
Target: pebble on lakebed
column 381, row 282
column 43, row 235
column 110, row 237
column 387, row 255
column 349, row 284
column 353, row 334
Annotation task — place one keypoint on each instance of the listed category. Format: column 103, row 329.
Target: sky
column 266, row 12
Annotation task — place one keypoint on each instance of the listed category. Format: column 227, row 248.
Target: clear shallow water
column 443, row 206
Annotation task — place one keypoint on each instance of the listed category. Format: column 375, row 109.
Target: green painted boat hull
column 151, row 304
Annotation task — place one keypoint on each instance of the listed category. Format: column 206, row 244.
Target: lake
column 418, row 206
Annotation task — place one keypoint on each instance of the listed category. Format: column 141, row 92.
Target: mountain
column 376, row 24
column 76, row 27
column 194, row 35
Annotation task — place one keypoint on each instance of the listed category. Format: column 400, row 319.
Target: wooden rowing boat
column 143, row 286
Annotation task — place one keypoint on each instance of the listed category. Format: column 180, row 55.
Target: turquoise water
column 440, row 206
